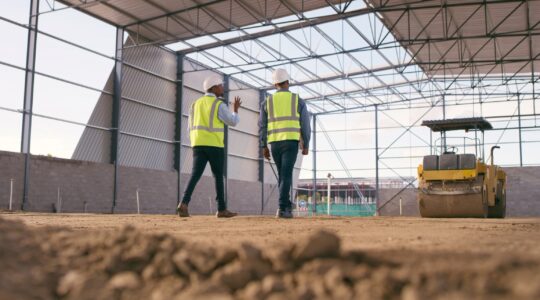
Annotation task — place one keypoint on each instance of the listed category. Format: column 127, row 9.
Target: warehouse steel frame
column 434, row 71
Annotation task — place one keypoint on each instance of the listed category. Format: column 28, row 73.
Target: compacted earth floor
column 91, row 256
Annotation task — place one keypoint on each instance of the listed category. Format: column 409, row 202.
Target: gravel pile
column 54, row 263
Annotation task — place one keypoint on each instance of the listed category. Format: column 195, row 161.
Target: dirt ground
column 80, row 256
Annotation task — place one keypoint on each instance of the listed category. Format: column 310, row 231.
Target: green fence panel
column 349, row 210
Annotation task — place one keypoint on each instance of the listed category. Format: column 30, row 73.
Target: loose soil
column 76, row 256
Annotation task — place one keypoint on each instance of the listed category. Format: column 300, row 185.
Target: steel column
column 377, row 158
column 226, row 139
column 443, row 133
column 430, row 142
column 484, row 146
column 117, row 101
column 29, row 96
column 178, row 128
column 519, row 131
column 262, row 95
column 476, row 146
column 314, row 154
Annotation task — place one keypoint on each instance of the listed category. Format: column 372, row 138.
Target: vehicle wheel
column 485, row 201
column 499, row 209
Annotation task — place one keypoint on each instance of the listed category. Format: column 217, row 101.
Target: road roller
column 460, row 185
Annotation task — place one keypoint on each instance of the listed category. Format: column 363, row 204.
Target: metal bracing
column 458, row 33
column 299, row 45
column 372, row 45
column 307, row 22
column 172, row 13
column 81, row 5
column 459, row 91
column 339, row 48
column 340, row 160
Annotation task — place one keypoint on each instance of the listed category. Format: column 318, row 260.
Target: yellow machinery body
column 476, row 190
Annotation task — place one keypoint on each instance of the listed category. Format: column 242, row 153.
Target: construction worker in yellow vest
column 283, row 123
column 207, row 119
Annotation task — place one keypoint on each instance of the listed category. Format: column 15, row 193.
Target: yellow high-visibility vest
column 283, row 117
column 205, row 128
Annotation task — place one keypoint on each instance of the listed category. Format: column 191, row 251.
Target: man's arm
column 190, row 118
column 305, row 123
column 225, row 115
column 263, row 125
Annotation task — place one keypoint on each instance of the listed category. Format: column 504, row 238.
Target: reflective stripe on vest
column 283, row 117
column 205, row 128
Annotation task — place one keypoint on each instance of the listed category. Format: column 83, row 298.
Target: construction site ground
column 375, row 257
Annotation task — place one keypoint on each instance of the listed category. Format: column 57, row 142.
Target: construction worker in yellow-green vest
column 283, row 123
column 207, row 118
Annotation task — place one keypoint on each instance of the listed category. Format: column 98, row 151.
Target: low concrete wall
column 523, row 192
column 11, row 168
column 156, row 189
column 389, row 200
column 79, row 184
column 90, row 186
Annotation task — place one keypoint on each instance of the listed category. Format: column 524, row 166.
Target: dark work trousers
column 284, row 154
column 216, row 157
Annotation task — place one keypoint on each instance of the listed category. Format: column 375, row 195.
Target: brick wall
column 271, row 199
column 90, row 185
column 11, row 167
column 157, row 190
column 522, row 192
column 243, row 197
column 391, row 208
column 79, row 184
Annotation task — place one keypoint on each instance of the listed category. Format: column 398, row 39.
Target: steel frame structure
column 398, row 76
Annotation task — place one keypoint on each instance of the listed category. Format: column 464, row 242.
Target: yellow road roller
column 460, row 185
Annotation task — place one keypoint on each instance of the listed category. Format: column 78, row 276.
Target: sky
column 348, row 131
column 52, row 97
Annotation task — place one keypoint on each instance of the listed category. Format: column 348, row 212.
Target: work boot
column 284, row 213
column 226, row 214
column 182, row 210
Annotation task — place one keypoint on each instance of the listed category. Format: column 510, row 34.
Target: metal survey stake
column 273, row 170
column 11, row 194
column 138, row 203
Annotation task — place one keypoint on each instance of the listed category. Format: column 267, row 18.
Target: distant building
column 343, row 190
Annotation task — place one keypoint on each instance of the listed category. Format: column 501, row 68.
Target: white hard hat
column 279, row 76
column 210, row 81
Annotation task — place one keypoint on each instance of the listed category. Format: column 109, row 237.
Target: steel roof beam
column 300, row 25
column 313, row 22
column 173, row 13
column 239, row 51
column 264, row 45
column 499, row 81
